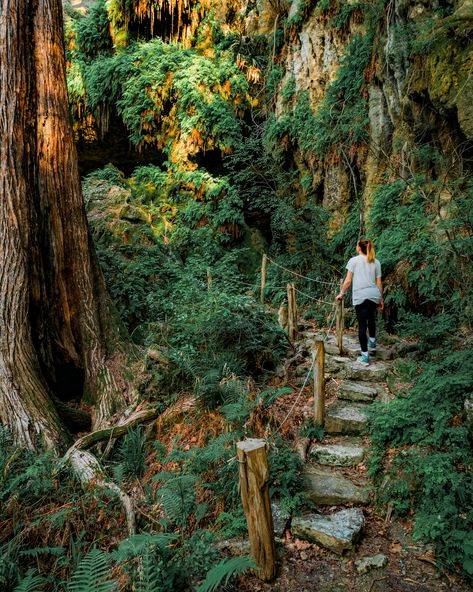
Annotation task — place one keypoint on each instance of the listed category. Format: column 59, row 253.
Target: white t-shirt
column 364, row 279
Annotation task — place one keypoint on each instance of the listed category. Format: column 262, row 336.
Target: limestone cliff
column 418, row 88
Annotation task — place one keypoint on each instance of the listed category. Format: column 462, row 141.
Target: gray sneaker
column 372, row 345
column 364, row 359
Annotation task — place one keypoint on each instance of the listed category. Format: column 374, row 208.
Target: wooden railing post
column 291, row 313
column 340, row 324
column 264, row 263
column 254, row 477
column 319, row 382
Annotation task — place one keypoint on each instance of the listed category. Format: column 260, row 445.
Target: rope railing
column 307, row 377
column 300, row 275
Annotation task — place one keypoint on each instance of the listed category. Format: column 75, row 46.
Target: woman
column 367, row 292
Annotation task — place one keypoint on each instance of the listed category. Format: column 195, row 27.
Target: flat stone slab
column 337, row 532
column 346, row 418
column 340, row 454
column 330, row 489
column 356, row 391
column 366, row 564
column 349, row 369
column 351, row 346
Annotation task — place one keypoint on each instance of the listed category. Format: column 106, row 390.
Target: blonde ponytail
column 367, row 249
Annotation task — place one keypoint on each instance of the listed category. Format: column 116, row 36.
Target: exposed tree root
column 115, row 431
column 89, row 470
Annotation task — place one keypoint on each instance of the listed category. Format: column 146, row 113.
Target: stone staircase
column 334, row 478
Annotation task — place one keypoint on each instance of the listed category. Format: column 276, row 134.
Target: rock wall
column 419, row 89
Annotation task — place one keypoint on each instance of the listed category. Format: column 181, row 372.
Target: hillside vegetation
column 210, row 133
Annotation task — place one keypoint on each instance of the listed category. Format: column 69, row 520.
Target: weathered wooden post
column 291, row 312
column 264, row 263
column 340, row 324
column 318, row 354
column 254, row 477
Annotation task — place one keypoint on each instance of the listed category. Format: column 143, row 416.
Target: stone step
column 337, row 532
column 346, row 418
column 329, row 488
column 346, row 368
column 344, row 452
column 351, row 345
column 356, row 391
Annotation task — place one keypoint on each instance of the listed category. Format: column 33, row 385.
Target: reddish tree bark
column 59, row 337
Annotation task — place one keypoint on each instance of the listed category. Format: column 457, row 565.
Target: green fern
column 30, row 583
column 150, row 576
column 92, row 574
column 224, row 571
column 177, row 496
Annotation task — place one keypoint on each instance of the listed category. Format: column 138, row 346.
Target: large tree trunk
column 59, row 337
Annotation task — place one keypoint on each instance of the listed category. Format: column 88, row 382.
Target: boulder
column 337, row 532
column 346, row 418
column 330, row 489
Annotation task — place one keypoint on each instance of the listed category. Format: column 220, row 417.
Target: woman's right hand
column 340, row 296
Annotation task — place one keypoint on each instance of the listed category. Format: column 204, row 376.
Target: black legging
column 366, row 314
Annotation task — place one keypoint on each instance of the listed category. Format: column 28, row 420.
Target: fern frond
column 150, row 580
column 37, row 551
column 177, row 496
column 224, row 571
column 91, row 575
column 30, row 583
column 138, row 544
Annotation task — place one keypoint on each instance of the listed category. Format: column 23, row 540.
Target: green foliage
column 424, row 239
column 300, row 13
column 199, row 554
column 430, row 464
column 91, row 32
column 92, row 574
column 311, row 430
column 285, row 468
column 177, row 496
column 30, row 583
column 341, row 120
column 159, row 567
column 223, row 572
column 132, row 452
column 161, row 90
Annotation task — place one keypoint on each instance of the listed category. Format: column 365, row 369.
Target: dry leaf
column 395, row 547
column 429, row 557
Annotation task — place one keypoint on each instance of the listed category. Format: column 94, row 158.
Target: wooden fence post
column 340, row 324
column 291, row 312
column 319, row 382
column 254, row 476
column 264, row 263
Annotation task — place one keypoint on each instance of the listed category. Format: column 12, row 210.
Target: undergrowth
column 427, row 468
